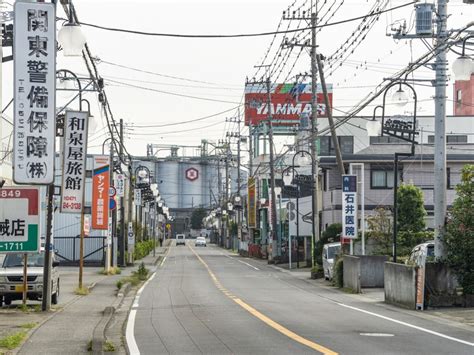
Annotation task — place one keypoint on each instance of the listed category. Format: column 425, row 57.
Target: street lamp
column 300, row 154
column 400, row 97
column 70, row 36
column 288, row 180
column 463, row 67
column 401, row 129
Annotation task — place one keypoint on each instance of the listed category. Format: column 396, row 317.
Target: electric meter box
column 424, row 19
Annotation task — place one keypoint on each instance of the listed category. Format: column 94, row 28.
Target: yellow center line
column 270, row 322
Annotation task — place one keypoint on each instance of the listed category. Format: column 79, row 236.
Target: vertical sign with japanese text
column 74, row 161
column 349, row 206
column 19, row 220
column 120, row 185
column 34, row 58
column 252, row 205
column 100, row 192
column 138, row 197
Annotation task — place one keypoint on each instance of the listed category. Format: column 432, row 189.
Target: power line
column 259, row 34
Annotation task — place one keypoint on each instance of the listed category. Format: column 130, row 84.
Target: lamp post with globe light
column 398, row 128
column 288, row 180
column 463, row 67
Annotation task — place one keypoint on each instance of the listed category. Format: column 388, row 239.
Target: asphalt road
column 207, row 301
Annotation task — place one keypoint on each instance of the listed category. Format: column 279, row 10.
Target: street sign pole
column 46, row 300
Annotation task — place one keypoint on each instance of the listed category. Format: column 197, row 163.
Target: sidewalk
column 71, row 329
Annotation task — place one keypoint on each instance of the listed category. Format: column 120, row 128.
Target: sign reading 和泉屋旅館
column 34, row 59
column 349, row 206
column 74, row 161
column 19, row 220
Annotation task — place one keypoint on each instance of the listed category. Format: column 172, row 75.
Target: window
column 459, row 97
column 382, row 177
column 386, row 140
column 326, row 147
column 451, row 139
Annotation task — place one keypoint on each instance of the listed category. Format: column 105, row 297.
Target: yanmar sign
column 288, row 103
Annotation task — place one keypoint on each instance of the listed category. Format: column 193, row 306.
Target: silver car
column 11, row 278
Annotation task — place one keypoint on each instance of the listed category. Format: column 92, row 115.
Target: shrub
column 142, row 249
column 459, row 237
column 142, row 271
column 338, row 278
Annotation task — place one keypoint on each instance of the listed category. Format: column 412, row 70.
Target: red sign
column 100, row 192
column 289, row 102
column 192, row 174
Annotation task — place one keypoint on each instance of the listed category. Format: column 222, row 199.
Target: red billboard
column 288, row 103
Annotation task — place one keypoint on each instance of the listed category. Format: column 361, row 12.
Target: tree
column 459, row 236
column 410, row 209
column 380, row 229
column 331, row 234
column 411, row 219
column 197, row 217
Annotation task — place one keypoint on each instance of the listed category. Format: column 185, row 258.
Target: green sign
column 19, row 220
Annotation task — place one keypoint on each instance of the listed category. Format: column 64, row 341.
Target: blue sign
column 112, row 203
column 349, row 183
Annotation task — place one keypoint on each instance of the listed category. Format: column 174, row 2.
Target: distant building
column 463, row 104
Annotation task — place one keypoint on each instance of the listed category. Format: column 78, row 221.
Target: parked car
column 421, row 253
column 330, row 252
column 11, row 278
column 180, row 239
column 200, row 242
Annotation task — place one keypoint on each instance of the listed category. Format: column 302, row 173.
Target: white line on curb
column 129, row 334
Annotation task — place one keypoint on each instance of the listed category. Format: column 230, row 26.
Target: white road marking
column 408, row 325
column 376, row 335
column 130, row 334
column 243, row 262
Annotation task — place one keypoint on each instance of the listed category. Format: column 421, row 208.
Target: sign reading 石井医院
column 19, row 220
column 100, row 192
column 349, row 206
column 74, row 161
column 34, row 59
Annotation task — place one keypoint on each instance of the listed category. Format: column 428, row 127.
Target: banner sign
column 19, row 220
column 288, row 103
column 120, row 185
column 138, row 197
column 100, row 192
column 34, row 60
column 252, row 205
column 349, row 206
column 74, row 161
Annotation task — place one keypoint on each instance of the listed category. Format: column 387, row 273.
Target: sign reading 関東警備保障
column 34, row 59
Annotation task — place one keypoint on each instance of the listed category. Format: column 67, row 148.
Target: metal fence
column 67, row 250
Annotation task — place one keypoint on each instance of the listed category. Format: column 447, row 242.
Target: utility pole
column 46, row 301
column 440, row 130
column 111, row 213
column 314, row 116
column 250, row 230
column 272, row 174
column 226, row 192
column 314, row 132
column 121, row 241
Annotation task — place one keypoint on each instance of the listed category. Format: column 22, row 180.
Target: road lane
column 182, row 310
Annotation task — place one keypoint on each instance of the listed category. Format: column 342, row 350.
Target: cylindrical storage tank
column 192, row 175
column 168, row 182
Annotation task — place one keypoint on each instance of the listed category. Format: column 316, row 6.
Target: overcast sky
column 216, row 69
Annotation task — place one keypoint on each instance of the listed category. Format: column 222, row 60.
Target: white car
column 180, row 239
column 421, row 253
column 200, row 242
column 330, row 252
column 11, row 278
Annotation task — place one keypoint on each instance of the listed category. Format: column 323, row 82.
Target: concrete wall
column 400, row 286
column 372, row 270
column 351, row 273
